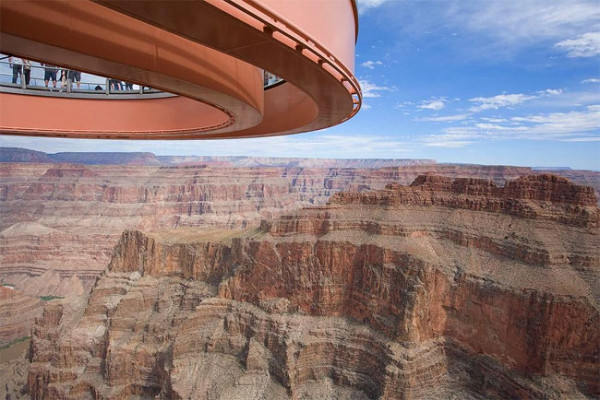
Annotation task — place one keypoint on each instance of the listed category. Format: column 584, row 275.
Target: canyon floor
column 299, row 283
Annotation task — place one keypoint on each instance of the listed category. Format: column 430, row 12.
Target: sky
column 461, row 81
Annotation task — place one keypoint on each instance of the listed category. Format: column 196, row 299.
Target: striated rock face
column 14, row 366
column 442, row 288
column 17, row 314
column 66, row 218
column 60, row 222
column 531, row 197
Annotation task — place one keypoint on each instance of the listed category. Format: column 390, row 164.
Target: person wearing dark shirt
column 49, row 73
column 75, row 76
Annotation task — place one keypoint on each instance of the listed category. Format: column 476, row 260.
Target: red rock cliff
column 405, row 293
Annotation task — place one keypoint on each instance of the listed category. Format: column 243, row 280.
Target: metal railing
column 62, row 80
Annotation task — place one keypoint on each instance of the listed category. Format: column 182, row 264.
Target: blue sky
column 487, row 81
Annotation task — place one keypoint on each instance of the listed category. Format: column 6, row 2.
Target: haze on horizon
column 492, row 82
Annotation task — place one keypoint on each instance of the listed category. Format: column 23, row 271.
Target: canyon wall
column 447, row 287
column 67, row 218
column 60, row 222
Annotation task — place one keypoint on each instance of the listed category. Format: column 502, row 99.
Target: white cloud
column 524, row 22
column 317, row 145
column 501, row 100
column 364, row 5
column 365, row 106
column 586, row 45
column 371, row 90
column 446, row 118
column 562, row 124
column 591, row 80
column 582, row 139
column 436, row 104
column 494, row 120
column 499, row 27
column 448, row 144
column 550, row 92
column 568, row 100
column 403, row 104
column 321, row 145
column 581, row 125
column 492, row 103
column 371, row 64
column 509, row 100
column 492, row 127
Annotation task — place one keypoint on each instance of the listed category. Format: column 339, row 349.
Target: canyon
column 279, row 278
column 446, row 288
column 61, row 221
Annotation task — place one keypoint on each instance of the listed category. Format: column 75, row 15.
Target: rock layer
column 67, row 217
column 444, row 287
column 17, row 314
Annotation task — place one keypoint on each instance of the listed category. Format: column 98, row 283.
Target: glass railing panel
column 78, row 82
column 271, row 79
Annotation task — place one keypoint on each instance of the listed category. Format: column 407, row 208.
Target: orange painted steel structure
column 209, row 52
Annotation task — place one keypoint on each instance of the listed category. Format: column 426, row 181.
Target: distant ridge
column 106, row 158
column 551, row 168
column 20, row 155
column 242, row 161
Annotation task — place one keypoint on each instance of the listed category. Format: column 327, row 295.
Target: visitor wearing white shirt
column 17, row 67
